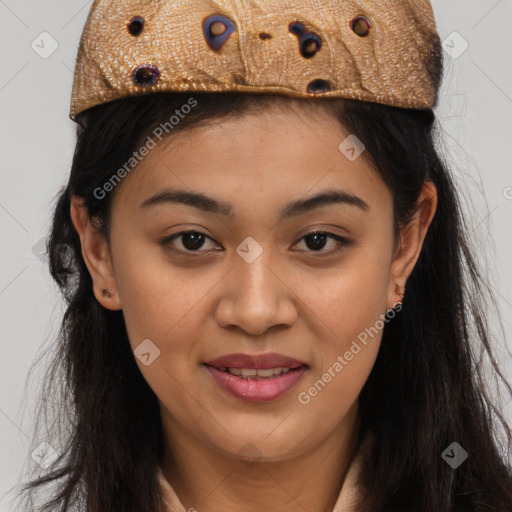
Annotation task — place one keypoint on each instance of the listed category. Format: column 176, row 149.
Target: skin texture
column 292, row 299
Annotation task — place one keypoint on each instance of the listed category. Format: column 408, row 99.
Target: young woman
column 272, row 305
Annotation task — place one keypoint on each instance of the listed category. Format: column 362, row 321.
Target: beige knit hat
column 383, row 51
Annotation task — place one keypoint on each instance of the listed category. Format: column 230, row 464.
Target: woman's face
column 252, row 278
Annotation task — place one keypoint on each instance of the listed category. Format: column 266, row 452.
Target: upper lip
column 256, row 361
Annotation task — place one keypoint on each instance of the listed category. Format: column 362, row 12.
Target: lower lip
column 263, row 390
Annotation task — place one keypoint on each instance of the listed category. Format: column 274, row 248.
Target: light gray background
column 37, row 142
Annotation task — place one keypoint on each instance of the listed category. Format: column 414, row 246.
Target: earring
column 106, row 293
column 400, row 292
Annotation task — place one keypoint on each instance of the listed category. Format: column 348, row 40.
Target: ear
column 96, row 254
column 411, row 241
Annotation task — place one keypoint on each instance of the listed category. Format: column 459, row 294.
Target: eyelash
column 342, row 242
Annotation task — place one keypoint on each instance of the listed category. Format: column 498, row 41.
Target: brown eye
column 191, row 242
column 317, row 240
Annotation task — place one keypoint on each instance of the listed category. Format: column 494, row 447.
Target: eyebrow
column 292, row 209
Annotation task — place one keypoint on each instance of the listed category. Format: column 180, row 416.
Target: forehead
column 256, row 158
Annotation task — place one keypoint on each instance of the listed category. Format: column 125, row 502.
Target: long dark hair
column 426, row 389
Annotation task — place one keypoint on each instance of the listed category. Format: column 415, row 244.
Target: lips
column 257, row 378
column 256, row 389
column 257, row 361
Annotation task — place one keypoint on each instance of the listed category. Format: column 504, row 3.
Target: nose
column 255, row 298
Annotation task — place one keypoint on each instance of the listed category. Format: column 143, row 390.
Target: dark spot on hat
column 361, row 26
column 310, row 45
column 296, row 28
column 136, row 26
column 239, row 79
column 145, row 75
column 265, row 35
column 216, row 30
column 309, row 42
column 319, row 86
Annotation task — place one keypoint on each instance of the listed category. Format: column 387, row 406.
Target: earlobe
column 412, row 237
column 400, row 291
column 96, row 255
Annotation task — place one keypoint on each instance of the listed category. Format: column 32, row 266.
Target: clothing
column 386, row 52
column 347, row 499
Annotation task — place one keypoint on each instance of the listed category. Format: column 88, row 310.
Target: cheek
column 157, row 297
column 352, row 296
column 351, row 304
column 163, row 305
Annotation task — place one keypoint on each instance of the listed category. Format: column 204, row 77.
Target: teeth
column 253, row 373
